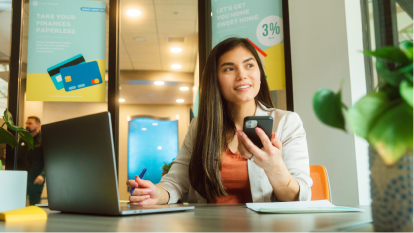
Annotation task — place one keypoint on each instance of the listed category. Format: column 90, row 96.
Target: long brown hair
column 215, row 122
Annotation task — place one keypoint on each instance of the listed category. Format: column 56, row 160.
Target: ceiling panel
column 176, row 2
column 147, row 66
column 177, row 27
column 176, row 12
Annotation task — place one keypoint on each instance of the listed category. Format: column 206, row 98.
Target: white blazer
column 289, row 129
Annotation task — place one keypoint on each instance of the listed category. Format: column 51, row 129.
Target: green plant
column 384, row 117
column 166, row 167
column 7, row 137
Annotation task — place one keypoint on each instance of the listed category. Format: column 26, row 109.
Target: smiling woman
column 217, row 162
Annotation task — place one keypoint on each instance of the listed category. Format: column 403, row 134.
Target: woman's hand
column 269, row 157
column 145, row 193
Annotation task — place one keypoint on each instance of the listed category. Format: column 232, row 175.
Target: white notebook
column 295, row 207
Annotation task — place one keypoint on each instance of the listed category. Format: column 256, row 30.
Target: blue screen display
column 150, row 144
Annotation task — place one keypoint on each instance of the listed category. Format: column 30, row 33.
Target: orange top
column 235, row 177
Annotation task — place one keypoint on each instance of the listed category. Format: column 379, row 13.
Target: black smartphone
column 263, row 122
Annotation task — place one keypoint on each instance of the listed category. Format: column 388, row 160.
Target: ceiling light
column 159, row 148
column 184, row 88
column 121, row 100
column 176, row 50
column 154, row 123
column 133, row 12
column 176, row 66
column 140, row 39
column 159, row 83
column 144, row 129
column 180, row 101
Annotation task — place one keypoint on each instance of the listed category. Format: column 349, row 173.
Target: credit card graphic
column 80, row 76
column 54, row 71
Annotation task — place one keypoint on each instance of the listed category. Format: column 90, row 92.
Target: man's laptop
column 81, row 168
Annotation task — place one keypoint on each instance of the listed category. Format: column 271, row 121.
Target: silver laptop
column 81, row 170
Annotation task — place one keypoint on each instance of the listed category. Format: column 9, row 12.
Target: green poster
column 66, row 51
column 261, row 22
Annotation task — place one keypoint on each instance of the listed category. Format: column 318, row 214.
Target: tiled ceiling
column 159, row 19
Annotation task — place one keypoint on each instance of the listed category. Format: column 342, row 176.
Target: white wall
column 320, row 58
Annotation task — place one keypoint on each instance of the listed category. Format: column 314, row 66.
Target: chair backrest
column 320, row 189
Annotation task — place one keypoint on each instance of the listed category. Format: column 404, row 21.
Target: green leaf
column 328, row 108
column 394, row 78
column 7, row 137
column 27, row 137
column 8, row 119
column 7, row 116
column 407, row 48
column 389, row 53
column 364, row 113
column 392, row 134
column 406, row 92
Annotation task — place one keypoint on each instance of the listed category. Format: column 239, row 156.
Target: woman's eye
column 228, row 69
column 250, row 65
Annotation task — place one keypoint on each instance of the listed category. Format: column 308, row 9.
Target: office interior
column 159, row 40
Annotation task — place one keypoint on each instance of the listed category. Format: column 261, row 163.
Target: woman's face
column 238, row 75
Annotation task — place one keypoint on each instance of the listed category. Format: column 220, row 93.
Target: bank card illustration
column 54, row 71
column 81, row 76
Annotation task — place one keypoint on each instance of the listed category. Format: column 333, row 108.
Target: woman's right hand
column 145, row 193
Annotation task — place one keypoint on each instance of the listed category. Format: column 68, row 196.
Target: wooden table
column 205, row 217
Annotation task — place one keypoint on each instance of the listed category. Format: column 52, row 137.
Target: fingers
column 248, row 144
column 141, row 192
column 276, row 142
column 264, row 138
column 138, row 198
column 132, row 183
column 241, row 148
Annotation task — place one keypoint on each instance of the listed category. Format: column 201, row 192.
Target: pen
column 140, row 176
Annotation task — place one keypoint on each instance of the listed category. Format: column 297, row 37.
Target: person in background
column 217, row 162
column 31, row 160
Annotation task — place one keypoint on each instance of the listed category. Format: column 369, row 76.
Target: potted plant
column 383, row 117
column 166, row 167
column 8, row 138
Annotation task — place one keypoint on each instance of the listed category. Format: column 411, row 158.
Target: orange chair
column 320, row 189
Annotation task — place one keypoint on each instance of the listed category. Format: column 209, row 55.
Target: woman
column 217, row 162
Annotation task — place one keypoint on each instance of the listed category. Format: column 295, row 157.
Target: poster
column 66, row 51
column 261, row 22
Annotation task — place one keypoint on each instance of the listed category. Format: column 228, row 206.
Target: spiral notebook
column 297, row 207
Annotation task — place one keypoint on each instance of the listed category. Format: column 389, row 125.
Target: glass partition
column 158, row 45
column 64, row 47
column 5, row 19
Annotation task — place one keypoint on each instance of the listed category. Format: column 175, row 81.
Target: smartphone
column 263, row 122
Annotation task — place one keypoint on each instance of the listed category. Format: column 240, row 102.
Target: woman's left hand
column 269, row 157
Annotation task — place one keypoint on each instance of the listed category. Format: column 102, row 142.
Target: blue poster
column 66, row 53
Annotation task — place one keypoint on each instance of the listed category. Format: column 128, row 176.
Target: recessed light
column 176, row 50
column 144, row 129
column 184, row 88
column 133, row 12
column 140, row 39
column 180, row 101
column 176, row 66
column 154, row 123
column 121, row 100
column 159, row 83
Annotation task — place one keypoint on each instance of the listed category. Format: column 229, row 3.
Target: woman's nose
column 241, row 74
